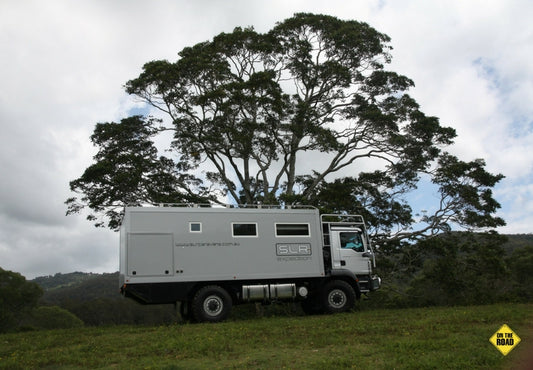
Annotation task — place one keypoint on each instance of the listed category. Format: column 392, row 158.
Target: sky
column 63, row 65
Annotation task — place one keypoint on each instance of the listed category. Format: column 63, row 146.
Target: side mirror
column 368, row 254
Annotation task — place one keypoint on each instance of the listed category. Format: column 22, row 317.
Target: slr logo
column 293, row 249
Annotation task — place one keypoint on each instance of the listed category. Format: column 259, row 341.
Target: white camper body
column 210, row 258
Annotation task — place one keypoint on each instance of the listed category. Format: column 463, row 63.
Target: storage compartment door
column 150, row 254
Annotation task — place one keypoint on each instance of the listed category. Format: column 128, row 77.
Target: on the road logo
column 505, row 339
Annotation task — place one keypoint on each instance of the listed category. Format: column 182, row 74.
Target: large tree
column 129, row 171
column 286, row 116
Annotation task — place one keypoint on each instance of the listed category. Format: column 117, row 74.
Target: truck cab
column 348, row 247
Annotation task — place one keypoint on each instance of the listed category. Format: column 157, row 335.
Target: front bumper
column 375, row 282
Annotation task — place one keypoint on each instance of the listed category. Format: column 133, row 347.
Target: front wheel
column 211, row 304
column 338, row 296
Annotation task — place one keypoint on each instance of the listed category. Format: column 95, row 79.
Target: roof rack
column 256, row 206
column 342, row 219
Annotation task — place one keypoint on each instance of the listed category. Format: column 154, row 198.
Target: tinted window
column 242, row 229
column 292, row 229
column 195, row 227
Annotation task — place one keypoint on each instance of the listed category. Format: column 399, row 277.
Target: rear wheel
column 338, row 296
column 211, row 304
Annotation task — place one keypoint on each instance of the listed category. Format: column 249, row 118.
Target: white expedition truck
column 209, row 258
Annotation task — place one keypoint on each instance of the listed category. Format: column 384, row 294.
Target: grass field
column 454, row 338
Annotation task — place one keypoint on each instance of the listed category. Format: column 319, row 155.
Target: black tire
column 338, row 296
column 211, row 304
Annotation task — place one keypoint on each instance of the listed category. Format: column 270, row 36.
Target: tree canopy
column 305, row 113
column 128, row 171
column 17, row 298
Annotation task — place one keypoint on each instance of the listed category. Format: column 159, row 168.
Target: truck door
column 348, row 247
column 150, row 254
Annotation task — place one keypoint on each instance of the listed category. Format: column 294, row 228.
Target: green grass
column 424, row 338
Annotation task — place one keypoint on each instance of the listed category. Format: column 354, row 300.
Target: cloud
column 517, row 206
column 64, row 65
column 38, row 248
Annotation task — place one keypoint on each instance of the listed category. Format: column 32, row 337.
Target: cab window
column 352, row 240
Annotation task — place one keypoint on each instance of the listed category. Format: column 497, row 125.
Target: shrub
column 45, row 317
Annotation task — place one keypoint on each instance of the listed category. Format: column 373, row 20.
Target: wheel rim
column 213, row 305
column 337, row 298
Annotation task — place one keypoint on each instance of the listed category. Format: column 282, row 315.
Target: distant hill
column 96, row 300
column 60, row 280
column 518, row 241
column 81, row 287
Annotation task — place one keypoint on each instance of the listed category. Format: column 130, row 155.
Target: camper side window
column 195, row 227
column 244, row 229
column 292, row 229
